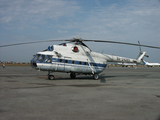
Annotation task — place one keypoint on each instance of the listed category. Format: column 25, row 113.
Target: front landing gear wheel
column 73, row 75
column 51, row 77
column 95, row 76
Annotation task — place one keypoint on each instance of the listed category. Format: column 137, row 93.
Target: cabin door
column 60, row 64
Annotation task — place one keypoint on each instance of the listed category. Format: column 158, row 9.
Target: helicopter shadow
column 103, row 78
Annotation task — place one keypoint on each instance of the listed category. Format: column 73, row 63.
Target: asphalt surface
column 119, row 94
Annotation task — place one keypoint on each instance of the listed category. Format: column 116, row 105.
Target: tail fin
column 141, row 56
column 141, row 53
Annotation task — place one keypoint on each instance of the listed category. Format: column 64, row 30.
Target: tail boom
column 113, row 58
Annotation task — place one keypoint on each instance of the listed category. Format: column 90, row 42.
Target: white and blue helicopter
column 76, row 58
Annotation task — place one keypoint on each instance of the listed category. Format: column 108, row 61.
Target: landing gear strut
column 50, row 77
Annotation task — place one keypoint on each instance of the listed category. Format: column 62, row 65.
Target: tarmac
column 119, row 94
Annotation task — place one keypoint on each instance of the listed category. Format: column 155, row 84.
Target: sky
column 117, row 20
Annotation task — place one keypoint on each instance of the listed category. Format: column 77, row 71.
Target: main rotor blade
column 30, row 42
column 122, row 43
column 80, row 40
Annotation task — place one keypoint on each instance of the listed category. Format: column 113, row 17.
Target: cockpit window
column 36, row 56
column 41, row 58
column 48, row 59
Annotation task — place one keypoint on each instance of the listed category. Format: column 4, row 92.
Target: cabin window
column 66, row 61
column 73, row 62
column 61, row 60
column 85, row 63
column 80, row 63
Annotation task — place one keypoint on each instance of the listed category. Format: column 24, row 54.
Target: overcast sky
column 118, row 20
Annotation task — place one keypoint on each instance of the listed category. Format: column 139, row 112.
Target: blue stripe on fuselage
column 77, row 62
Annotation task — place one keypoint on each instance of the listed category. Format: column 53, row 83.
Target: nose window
column 37, row 56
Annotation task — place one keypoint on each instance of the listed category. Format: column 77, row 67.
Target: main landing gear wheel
column 73, row 75
column 51, row 77
column 95, row 76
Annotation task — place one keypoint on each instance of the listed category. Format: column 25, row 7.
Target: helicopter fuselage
column 69, row 58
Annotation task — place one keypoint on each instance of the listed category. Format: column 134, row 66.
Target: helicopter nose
column 33, row 63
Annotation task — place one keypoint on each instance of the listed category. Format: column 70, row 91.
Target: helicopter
column 76, row 58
